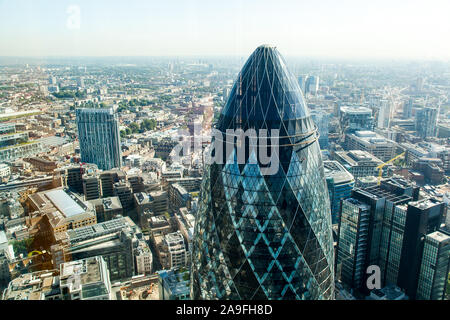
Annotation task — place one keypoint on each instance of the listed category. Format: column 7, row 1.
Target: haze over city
column 224, row 150
column 337, row 29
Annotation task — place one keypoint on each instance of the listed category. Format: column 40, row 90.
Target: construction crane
column 381, row 166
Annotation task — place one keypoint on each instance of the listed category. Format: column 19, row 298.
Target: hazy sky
column 313, row 28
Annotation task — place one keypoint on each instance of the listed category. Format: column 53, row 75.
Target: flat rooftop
column 88, row 232
column 438, row 236
column 335, row 170
column 64, row 203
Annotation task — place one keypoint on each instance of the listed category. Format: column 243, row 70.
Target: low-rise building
column 86, row 279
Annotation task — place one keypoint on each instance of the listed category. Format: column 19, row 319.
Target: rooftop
column 438, row 236
column 335, row 170
column 64, row 203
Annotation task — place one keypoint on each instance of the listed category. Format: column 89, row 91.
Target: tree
column 134, row 127
column 22, row 246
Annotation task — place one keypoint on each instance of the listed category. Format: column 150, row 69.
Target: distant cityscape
column 97, row 202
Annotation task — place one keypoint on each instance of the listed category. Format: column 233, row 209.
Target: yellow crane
column 380, row 167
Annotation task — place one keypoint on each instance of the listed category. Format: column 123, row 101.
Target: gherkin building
column 264, row 234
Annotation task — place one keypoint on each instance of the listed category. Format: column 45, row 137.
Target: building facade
column 242, row 246
column 98, row 133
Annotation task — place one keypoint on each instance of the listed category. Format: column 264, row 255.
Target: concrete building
column 92, row 187
column 426, row 122
column 14, row 145
column 143, row 259
column 369, row 141
column 176, row 249
column 359, row 163
column 39, row 285
column 5, row 171
column 115, row 240
column 86, row 279
column 385, row 114
column 178, row 197
column 63, row 211
column 123, row 191
column 355, row 118
column 107, row 208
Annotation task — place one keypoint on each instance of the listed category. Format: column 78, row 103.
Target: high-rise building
column 321, row 119
column 301, row 82
column 379, row 230
column 340, row 184
column 312, row 84
column 426, row 122
column 435, row 267
column 407, row 109
column 92, row 187
column 98, row 132
column 355, row 118
column 385, row 114
column 423, row 217
column 353, row 242
column 264, row 236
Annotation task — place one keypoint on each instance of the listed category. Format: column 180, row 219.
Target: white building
column 144, row 259
column 176, row 250
column 5, row 171
column 86, row 279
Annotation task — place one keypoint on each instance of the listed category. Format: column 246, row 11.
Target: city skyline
column 349, row 29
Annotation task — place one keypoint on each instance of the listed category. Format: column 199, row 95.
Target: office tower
column 423, row 217
column 114, row 240
column 407, row 109
column 264, row 236
column 382, row 202
column 353, row 246
column 426, row 122
column 321, row 119
column 80, row 82
column 123, row 191
column 176, row 254
column 312, row 84
column 107, row 208
column 355, row 118
column 375, row 144
column 384, row 115
column 92, row 187
column 419, row 84
column 435, row 267
column 340, row 184
column 98, row 133
column 359, row 163
column 301, row 82
column 52, row 80
column 108, row 179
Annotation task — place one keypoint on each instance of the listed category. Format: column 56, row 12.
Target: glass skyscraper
column 98, row 133
column 258, row 235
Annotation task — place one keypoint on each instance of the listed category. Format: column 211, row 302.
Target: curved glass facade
column 261, row 236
